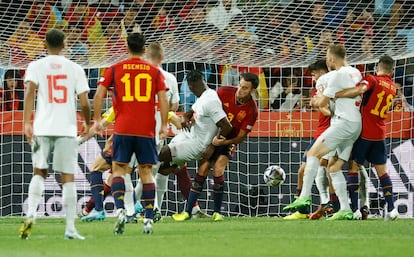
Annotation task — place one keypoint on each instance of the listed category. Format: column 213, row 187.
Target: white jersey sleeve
column 172, row 84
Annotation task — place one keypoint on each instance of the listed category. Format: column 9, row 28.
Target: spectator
column 198, row 34
column 83, row 16
column 116, row 45
column 12, row 8
column 105, row 11
column 316, row 25
column 25, row 44
column 130, row 22
column 319, row 50
column 286, row 96
column 146, row 14
column 221, row 15
column 367, row 48
column 42, row 17
column 76, row 48
column 5, row 56
column 269, row 30
column 297, row 40
column 12, row 94
column 355, row 26
column 162, row 21
column 400, row 103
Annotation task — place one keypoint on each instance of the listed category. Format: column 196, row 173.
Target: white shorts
column 340, row 136
column 185, row 148
column 65, row 153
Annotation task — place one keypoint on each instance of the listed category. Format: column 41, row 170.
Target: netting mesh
column 274, row 39
column 270, row 33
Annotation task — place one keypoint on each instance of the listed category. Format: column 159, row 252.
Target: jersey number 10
column 141, row 77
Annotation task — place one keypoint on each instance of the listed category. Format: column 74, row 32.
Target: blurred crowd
column 221, row 38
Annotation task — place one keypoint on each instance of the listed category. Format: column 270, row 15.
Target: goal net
column 275, row 39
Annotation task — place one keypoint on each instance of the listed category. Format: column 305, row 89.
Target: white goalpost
column 277, row 40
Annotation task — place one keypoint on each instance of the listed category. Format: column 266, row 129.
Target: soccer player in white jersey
column 344, row 130
column 58, row 81
column 320, row 74
column 200, row 125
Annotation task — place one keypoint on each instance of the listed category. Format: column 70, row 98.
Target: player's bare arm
column 186, row 119
column 86, row 111
column 221, row 140
column 164, row 108
column 29, row 99
column 325, row 110
column 97, row 106
column 352, row 92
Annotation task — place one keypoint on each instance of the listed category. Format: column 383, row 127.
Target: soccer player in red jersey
column 378, row 92
column 135, row 83
column 241, row 110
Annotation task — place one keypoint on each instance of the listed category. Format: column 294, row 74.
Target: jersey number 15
column 55, row 89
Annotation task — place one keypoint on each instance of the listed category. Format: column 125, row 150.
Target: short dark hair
column 136, row 42
column 55, row 38
column 252, row 78
column 194, row 75
column 318, row 65
column 338, row 50
column 387, row 63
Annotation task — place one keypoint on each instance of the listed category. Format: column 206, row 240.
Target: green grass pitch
column 202, row 237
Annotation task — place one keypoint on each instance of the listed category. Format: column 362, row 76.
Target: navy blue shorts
column 227, row 150
column 374, row 152
column 144, row 148
column 307, row 149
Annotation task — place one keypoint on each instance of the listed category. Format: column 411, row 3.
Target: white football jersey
column 172, row 84
column 322, row 81
column 172, row 97
column 207, row 112
column 345, row 108
column 58, row 82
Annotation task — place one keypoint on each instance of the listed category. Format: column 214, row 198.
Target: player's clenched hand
column 98, row 127
column 217, row 141
column 163, row 133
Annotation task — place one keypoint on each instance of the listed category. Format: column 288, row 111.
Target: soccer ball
column 274, row 176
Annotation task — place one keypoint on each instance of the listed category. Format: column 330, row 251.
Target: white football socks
column 129, row 195
column 70, row 198
column 339, row 184
column 162, row 185
column 322, row 183
column 36, row 188
column 311, row 169
column 363, row 187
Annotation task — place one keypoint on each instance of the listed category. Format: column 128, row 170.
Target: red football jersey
column 376, row 102
column 324, row 123
column 241, row 117
column 135, row 83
